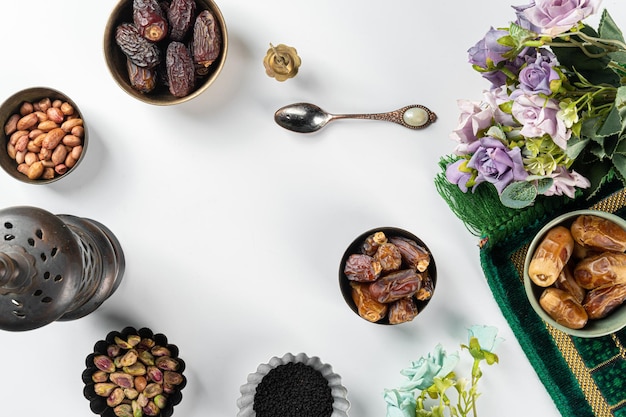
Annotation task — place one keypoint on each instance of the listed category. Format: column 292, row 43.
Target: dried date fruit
column 372, row 242
column 567, row 283
column 141, row 79
column 362, row 268
column 551, row 255
column 414, row 255
column 563, row 308
column 180, row 15
column 207, row 41
column 180, row 69
column 607, row 268
column 402, row 311
column 389, row 257
column 138, row 49
column 427, row 288
column 600, row 302
column 149, row 20
column 367, row 307
column 397, row 285
column 598, row 233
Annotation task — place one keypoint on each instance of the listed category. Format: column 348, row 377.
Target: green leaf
column 619, row 162
column 491, row 358
column 518, row 194
column 575, row 145
column 612, row 125
column 608, row 29
column 544, row 184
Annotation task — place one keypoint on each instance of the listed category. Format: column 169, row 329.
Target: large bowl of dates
column 293, row 385
column 575, row 273
column 165, row 52
column 387, row 275
column 134, row 373
column 44, row 136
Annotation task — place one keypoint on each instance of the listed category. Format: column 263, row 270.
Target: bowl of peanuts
column 387, row 276
column 44, row 136
column 575, row 273
column 165, row 53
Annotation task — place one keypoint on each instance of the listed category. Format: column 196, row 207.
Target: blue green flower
column 400, row 403
column 422, row 372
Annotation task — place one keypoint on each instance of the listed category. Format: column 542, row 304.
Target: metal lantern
column 54, row 267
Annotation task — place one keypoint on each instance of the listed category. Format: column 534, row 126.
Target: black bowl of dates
column 134, row 373
column 387, row 276
column 165, row 52
column 44, row 136
column 293, row 385
column 575, row 273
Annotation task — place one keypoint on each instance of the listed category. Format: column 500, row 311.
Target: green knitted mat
column 585, row 377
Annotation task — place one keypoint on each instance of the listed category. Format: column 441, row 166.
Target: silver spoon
column 307, row 117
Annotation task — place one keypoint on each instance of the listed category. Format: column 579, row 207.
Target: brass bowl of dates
column 134, row 373
column 165, row 52
column 44, row 137
column 575, row 273
column 387, row 276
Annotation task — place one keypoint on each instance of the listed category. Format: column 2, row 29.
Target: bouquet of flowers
column 432, row 377
column 553, row 122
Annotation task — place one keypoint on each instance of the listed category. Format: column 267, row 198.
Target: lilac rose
column 566, row 182
column 553, row 17
column 487, row 53
column 535, row 78
column 538, row 117
column 458, row 174
column 474, row 117
column 497, row 164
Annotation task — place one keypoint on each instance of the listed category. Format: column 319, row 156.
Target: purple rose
column 497, row 164
column 457, row 173
column 488, row 49
column 553, row 17
column 538, row 117
column 472, row 119
column 535, row 78
column 566, row 182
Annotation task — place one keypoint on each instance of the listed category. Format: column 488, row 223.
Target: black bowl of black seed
column 134, row 372
column 293, row 386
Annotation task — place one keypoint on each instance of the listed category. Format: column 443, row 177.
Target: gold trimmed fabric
column 585, row 377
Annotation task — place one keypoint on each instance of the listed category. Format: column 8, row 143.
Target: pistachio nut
column 172, row 378
column 154, row 374
column 152, row 390
column 116, row 397
column 166, row 363
column 135, row 369
column 129, row 358
column 160, row 351
column 160, row 401
column 122, row 379
column 104, row 363
column 104, row 389
column 123, row 410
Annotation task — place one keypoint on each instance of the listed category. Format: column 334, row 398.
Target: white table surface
column 233, row 227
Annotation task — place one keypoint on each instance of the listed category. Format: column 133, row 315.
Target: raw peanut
column 35, row 171
column 59, row 154
column 47, row 126
column 69, row 124
column 47, row 163
column 11, row 124
column 55, row 114
column 41, row 116
column 38, row 141
column 23, row 168
column 44, row 104
column 19, row 157
column 34, row 133
column 76, row 152
column 60, row 169
column 57, row 103
column 45, row 154
column 32, row 147
column 67, row 109
column 48, row 173
column 70, row 161
column 551, row 255
column 36, row 107
column 78, row 131
column 26, row 122
column 11, row 151
column 16, row 136
column 21, row 143
column 53, row 138
column 30, row 158
column 26, row 108
column 71, row 140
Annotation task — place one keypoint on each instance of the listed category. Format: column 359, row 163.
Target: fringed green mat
column 585, row 377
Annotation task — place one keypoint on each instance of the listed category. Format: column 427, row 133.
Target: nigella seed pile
column 293, row 390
